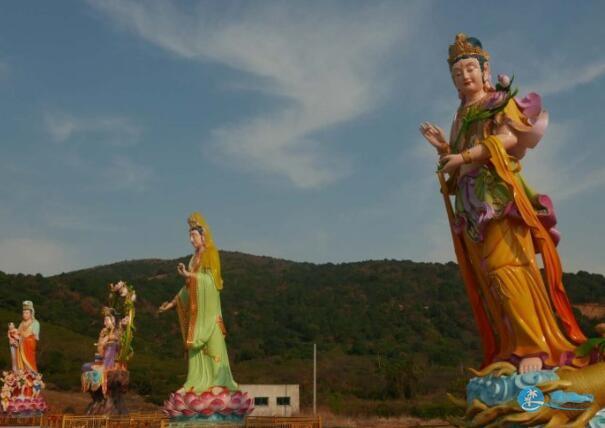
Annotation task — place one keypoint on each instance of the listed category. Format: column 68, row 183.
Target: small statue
column 107, row 377
column 209, row 391
column 22, row 385
column 13, row 342
column 108, row 344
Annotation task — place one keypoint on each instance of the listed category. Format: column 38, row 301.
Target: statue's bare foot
column 530, row 364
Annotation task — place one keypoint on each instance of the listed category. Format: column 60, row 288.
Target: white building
column 274, row 400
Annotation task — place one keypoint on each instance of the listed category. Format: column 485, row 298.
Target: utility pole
column 314, row 379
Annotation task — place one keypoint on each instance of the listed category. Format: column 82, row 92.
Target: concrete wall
column 272, row 392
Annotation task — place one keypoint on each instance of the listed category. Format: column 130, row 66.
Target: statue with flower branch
column 22, row 385
column 107, row 377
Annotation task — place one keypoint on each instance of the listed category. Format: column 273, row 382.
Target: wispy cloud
column 34, row 255
column 323, row 66
column 551, row 68
column 117, row 173
column 76, row 217
column 558, row 168
column 113, row 130
column 114, row 170
column 568, row 76
column 125, row 174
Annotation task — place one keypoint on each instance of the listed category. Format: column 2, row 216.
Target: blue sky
column 291, row 125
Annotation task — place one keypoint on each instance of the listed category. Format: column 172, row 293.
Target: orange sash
column 545, row 245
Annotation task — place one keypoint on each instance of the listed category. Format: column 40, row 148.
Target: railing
column 146, row 420
column 71, row 421
column 282, row 422
column 158, row 420
column 199, row 424
column 155, row 420
column 135, row 420
column 6, row 420
column 52, row 421
column 440, row 425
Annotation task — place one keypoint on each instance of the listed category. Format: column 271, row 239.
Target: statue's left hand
column 167, row 306
column 182, row 270
column 450, row 163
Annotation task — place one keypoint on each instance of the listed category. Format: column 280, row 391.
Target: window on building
column 261, row 401
column 283, row 401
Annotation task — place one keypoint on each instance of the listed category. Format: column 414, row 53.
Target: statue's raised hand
column 435, row 136
column 182, row 270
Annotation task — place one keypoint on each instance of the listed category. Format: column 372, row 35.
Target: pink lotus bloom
column 504, row 80
column 189, row 397
column 207, row 411
column 188, row 412
column 496, row 99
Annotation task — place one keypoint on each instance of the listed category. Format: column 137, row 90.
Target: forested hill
column 380, row 326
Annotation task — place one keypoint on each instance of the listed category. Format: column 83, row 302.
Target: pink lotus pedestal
column 20, row 395
column 215, row 404
column 26, row 406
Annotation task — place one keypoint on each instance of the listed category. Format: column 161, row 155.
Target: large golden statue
column 529, row 334
column 499, row 222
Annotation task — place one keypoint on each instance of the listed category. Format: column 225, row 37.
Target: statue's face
column 197, row 239
column 467, row 76
column 27, row 314
column 108, row 322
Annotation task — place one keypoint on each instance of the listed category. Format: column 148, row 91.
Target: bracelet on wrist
column 444, row 149
column 466, row 156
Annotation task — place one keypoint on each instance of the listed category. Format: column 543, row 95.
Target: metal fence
column 134, row 420
column 155, row 420
column 6, row 420
column 276, row 422
column 158, row 420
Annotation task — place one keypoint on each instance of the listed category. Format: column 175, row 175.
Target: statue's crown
column 107, row 311
column 28, row 304
column 196, row 220
column 462, row 46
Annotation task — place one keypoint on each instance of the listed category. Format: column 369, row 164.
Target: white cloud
column 325, row 66
column 554, row 169
column 548, row 68
column 111, row 172
column 568, row 76
column 78, row 218
column 27, row 255
column 114, row 130
column 125, row 174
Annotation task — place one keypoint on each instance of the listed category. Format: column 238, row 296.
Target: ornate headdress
column 29, row 305
column 108, row 312
column 196, row 221
column 210, row 257
column 463, row 47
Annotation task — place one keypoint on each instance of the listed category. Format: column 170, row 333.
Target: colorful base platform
column 217, row 404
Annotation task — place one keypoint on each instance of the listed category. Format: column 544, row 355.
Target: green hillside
column 392, row 336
